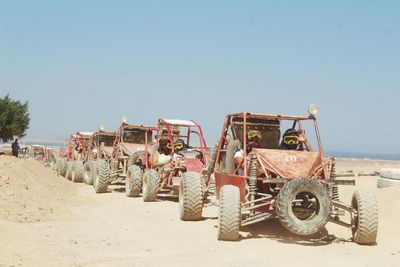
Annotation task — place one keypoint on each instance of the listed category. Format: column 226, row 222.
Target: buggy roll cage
column 249, row 115
column 192, row 128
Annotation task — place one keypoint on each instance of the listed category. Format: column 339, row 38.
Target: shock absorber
column 335, row 189
column 333, row 169
column 253, row 179
column 335, row 192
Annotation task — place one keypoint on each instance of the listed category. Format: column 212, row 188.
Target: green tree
column 14, row 118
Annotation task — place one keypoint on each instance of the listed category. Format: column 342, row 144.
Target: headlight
column 313, row 109
column 124, row 119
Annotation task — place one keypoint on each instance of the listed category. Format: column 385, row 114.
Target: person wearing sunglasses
column 294, row 139
column 253, row 138
column 179, row 145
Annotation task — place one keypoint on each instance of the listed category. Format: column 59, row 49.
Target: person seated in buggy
column 161, row 156
column 294, row 139
column 253, row 137
column 183, row 150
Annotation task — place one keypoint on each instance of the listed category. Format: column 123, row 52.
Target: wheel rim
column 305, row 205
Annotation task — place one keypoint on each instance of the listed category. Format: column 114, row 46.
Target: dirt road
column 113, row 230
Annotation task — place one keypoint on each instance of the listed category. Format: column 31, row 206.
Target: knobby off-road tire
column 386, row 182
column 365, row 224
column 190, row 196
column 151, row 185
column 133, row 181
column 391, row 173
column 88, row 172
column 57, row 168
column 70, row 169
column 229, row 213
column 77, row 172
column 315, row 221
column 63, row 166
column 101, row 177
column 114, row 164
column 53, row 165
column 211, row 162
column 388, row 177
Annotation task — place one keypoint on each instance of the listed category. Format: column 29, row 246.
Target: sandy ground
column 46, row 220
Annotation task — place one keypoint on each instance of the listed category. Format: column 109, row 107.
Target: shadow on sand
column 272, row 229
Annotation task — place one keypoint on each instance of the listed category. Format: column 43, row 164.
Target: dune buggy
column 130, row 143
column 101, row 146
column 296, row 186
column 71, row 164
column 182, row 175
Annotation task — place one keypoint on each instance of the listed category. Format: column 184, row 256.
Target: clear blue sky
column 82, row 63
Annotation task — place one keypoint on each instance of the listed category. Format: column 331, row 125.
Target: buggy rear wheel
column 70, row 169
column 58, row 165
column 365, row 223
column 229, row 213
column 88, row 172
column 151, row 185
column 303, row 206
column 101, row 176
column 62, row 167
column 77, row 172
column 133, row 181
column 190, row 196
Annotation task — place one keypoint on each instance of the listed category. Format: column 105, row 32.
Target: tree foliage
column 14, row 118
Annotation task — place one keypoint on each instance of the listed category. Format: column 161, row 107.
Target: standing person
column 15, row 148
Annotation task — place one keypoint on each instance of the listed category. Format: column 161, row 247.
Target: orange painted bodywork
column 289, row 164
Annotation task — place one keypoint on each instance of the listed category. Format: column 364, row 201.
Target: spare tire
column 233, row 145
column 311, row 213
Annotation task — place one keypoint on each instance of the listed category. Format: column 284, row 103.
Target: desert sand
column 46, row 220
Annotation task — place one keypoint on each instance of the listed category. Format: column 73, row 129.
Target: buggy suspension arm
column 335, row 219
